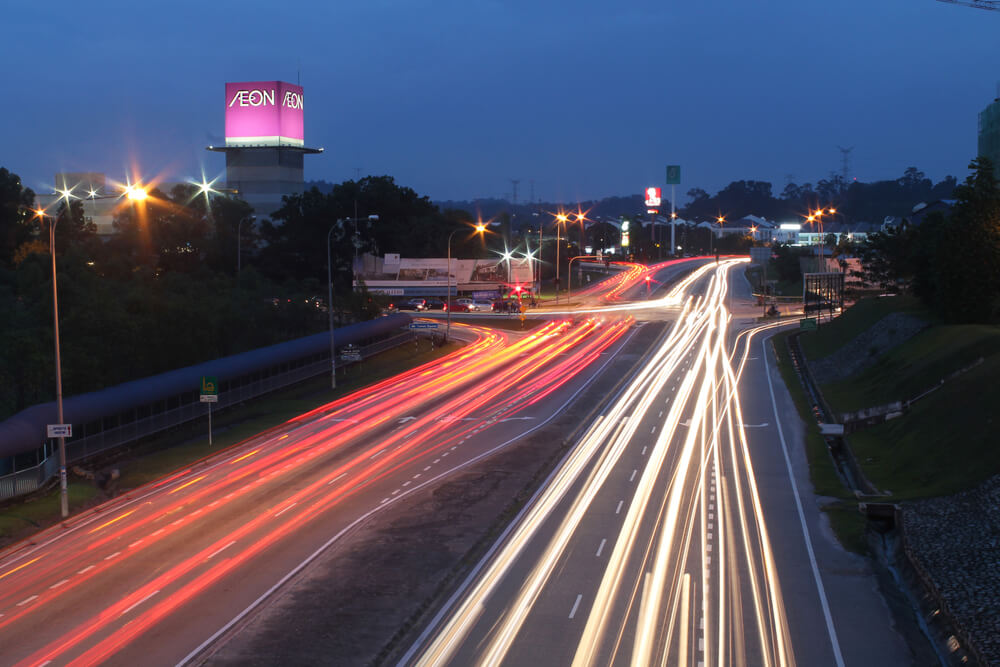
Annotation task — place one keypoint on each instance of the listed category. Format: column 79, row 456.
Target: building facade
column 989, row 135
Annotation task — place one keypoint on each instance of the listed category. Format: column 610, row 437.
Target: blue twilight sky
column 456, row 97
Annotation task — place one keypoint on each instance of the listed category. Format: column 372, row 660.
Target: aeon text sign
column 264, row 113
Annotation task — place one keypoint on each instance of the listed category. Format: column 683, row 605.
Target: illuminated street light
column 479, row 228
column 711, row 239
column 560, row 218
column 136, row 193
column 41, row 215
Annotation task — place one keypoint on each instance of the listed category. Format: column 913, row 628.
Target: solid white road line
column 831, row 631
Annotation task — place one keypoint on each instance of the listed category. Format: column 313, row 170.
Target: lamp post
column 63, row 492
column 329, row 308
column 569, row 270
column 480, row 228
column 560, row 218
column 538, row 264
column 583, row 240
column 711, row 239
column 818, row 218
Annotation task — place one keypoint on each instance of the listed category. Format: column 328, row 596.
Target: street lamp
column 818, row 218
column 41, row 215
column 569, row 270
column 480, row 228
column 560, row 218
column 711, row 240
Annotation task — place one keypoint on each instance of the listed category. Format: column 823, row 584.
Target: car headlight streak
column 692, row 554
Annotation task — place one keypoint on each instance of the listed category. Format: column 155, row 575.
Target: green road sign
column 673, row 174
column 808, row 324
column 209, row 386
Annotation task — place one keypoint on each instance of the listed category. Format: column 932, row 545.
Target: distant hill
column 610, row 207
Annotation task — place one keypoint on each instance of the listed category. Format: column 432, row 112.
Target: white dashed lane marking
column 576, row 605
column 601, row 547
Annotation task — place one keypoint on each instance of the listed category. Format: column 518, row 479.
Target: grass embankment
column 947, row 441
column 159, row 455
column 845, row 520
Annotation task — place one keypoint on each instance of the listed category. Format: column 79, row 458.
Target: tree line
column 951, row 261
column 163, row 291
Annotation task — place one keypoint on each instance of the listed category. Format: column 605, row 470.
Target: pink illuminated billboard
column 264, row 113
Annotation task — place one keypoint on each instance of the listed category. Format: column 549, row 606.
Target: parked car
column 434, row 304
column 457, row 306
column 482, row 306
column 464, row 300
column 412, row 304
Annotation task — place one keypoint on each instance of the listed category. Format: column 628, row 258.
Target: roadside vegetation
column 946, row 441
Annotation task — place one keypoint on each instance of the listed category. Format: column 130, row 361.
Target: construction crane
column 980, row 4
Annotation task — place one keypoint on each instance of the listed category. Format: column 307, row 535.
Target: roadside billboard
column 653, row 197
column 264, row 113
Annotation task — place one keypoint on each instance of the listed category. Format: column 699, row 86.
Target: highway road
column 156, row 575
column 679, row 531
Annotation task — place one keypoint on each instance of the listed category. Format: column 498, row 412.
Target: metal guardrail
column 31, row 479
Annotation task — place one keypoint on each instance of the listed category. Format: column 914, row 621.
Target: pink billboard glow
column 264, row 113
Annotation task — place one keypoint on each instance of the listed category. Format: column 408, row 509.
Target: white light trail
column 669, row 562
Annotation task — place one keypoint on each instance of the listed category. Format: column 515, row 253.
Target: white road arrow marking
column 406, row 419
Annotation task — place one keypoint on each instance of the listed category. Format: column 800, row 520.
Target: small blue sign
column 423, row 325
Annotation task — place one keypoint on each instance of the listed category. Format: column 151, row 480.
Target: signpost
column 60, row 430
column 808, row 324
column 673, row 180
column 350, row 353
column 423, row 325
column 209, row 393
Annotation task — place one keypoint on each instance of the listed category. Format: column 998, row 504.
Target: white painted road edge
column 364, row 517
column 830, row 630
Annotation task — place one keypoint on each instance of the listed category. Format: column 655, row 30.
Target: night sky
column 455, row 98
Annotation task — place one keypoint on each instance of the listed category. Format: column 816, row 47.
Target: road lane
column 217, row 536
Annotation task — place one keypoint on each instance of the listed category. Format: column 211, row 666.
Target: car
column 458, row 307
column 482, row 306
column 465, row 301
column 434, row 304
column 412, row 304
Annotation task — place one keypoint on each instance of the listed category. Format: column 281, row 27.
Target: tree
column 15, row 214
column 965, row 261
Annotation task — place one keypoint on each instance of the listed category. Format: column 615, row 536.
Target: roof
column 25, row 431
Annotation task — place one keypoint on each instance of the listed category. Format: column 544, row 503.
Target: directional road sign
column 423, row 325
column 60, row 430
column 673, row 174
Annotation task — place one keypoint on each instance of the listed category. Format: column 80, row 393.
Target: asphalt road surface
column 680, row 530
column 153, row 577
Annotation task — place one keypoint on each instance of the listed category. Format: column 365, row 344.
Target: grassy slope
column 847, row 523
column 854, row 321
column 946, row 443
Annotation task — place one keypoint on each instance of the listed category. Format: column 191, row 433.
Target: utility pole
column 845, row 164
